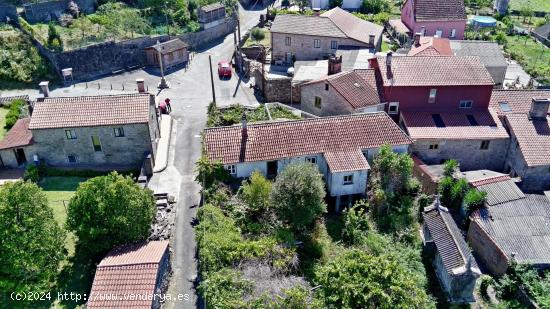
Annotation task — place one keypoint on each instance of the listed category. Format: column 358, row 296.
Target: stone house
column 300, row 37
column 444, row 19
column 455, row 267
column 139, row 270
column 174, row 52
column 511, row 225
column 109, row 132
column 211, row 15
column 341, row 147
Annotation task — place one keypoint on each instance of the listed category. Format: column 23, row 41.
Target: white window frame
column 70, row 134
column 453, row 33
column 334, row 44
column 393, row 104
column 432, row 95
column 231, row 169
column 316, row 43
column 438, row 33
column 119, row 131
column 311, row 159
column 348, row 179
column 288, row 41
column 464, row 104
column 433, row 146
column 320, row 102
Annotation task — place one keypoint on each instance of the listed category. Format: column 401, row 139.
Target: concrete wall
column 466, row 152
column 53, row 146
column 336, row 185
column 498, row 74
column 302, row 46
column 492, row 257
column 52, row 10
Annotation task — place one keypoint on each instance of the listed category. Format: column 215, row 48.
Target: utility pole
column 212, row 80
column 162, row 84
column 239, row 28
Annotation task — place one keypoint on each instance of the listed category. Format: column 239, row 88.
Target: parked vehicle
column 224, row 69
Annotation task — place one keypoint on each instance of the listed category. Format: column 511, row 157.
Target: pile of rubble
column 161, row 228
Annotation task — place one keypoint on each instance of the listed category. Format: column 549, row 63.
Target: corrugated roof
column 533, row 137
column 87, row 111
column 286, row 139
column 19, row 135
column 501, row 191
column 489, row 53
column 346, row 161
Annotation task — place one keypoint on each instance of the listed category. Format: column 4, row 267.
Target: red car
column 224, row 69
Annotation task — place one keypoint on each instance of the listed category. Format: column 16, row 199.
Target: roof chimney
column 417, row 39
column 371, row 39
column 373, row 63
column 334, row 65
column 244, row 122
column 140, row 85
column 539, row 108
column 44, row 86
column 389, row 73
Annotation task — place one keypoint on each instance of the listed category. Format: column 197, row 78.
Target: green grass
column 536, row 5
column 266, row 41
column 3, row 113
column 385, row 46
column 533, row 56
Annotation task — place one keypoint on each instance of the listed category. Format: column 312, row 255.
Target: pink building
column 441, row 18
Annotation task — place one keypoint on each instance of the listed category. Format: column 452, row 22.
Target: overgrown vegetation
column 14, row 112
column 233, row 115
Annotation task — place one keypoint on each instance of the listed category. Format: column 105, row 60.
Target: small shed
column 173, row 52
column 211, row 15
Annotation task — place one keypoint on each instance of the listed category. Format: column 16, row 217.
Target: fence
column 131, row 87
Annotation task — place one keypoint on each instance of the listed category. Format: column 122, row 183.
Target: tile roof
column 448, row 239
column 127, row 277
column 431, row 46
column 399, row 26
column 87, row 111
column 520, row 226
column 335, row 23
column 170, row 46
column 431, row 10
column 276, row 140
column 489, row 53
column 354, row 27
column 533, row 137
column 421, row 125
column 212, row 7
column 435, row 71
column 346, row 161
column 519, row 101
column 19, row 135
column 359, row 87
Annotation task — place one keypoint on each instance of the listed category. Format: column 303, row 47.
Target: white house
column 341, row 147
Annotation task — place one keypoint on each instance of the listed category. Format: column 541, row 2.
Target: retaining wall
column 52, row 10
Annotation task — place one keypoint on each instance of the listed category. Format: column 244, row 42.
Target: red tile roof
column 345, row 161
column 519, row 101
column 399, row 26
column 435, row 71
column 431, row 10
column 127, row 277
column 358, row 87
column 276, row 140
column 533, row 137
column 431, row 46
column 489, row 180
column 87, row 111
column 169, row 46
column 354, row 27
column 19, row 135
column 421, row 125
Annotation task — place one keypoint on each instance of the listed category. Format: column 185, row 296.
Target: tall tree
column 298, row 195
column 110, row 210
column 31, row 241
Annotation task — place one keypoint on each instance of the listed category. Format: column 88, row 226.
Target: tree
column 257, row 34
column 54, row 38
column 255, row 192
column 356, row 224
column 31, row 241
column 526, row 11
column 73, row 8
column 209, row 173
column 302, row 4
column 335, row 3
column 84, row 25
column 374, row 6
column 450, row 168
column 356, row 279
column 392, row 170
column 110, row 210
column 298, row 195
column 474, row 200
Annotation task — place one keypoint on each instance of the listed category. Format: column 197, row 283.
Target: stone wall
column 488, row 252
column 7, row 10
column 277, row 89
column 52, row 10
column 534, row 178
column 332, row 103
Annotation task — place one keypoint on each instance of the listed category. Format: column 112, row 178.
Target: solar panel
column 438, row 120
column 505, row 107
column 472, row 120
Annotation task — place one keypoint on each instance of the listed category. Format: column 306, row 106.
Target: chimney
column 334, row 65
column 371, row 39
column 417, row 39
column 539, row 108
column 389, row 73
column 244, row 122
column 44, row 86
column 373, row 63
column 140, row 85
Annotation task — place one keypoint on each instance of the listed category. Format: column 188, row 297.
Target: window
column 318, row 102
column 466, row 103
column 433, row 93
column 334, row 44
column 96, row 143
column 317, row 43
column 505, row 107
column 71, row 134
column 453, row 33
column 311, row 160
column 438, row 33
column 423, row 32
column 348, row 179
column 326, row 87
column 119, row 132
column 71, row 158
column 434, row 146
column 393, row 108
column 231, row 169
column 287, row 41
column 484, row 145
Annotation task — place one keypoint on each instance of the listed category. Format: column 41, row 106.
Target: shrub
column 14, row 112
column 210, row 173
column 335, row 3
column 374, row 6
column 225, row 289
column 474, row 200
column 356, row 223
column 484, row 285
column 32, row 173
column 257, row 34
